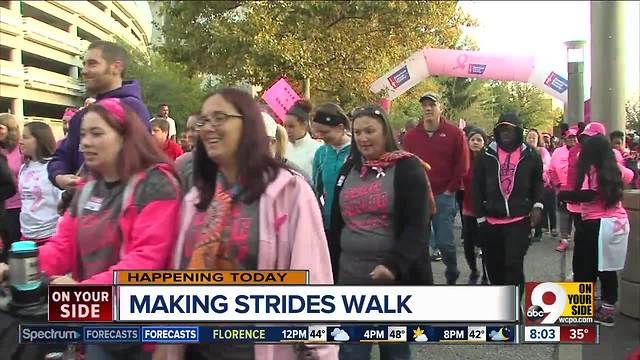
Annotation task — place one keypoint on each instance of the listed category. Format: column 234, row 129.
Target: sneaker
column 604, row 315
column 563, row 245
column 536, row 238
column 436, row 256
column 554, row 233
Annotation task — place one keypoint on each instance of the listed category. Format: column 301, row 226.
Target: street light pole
column 575, row 66
column 607, row 64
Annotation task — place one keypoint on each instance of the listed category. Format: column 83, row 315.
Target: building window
column 118, row 19
column 135, row 35
column 99, row 5
column 85, row 35
column 5, row 53
column 29, row 59
column 32, row 12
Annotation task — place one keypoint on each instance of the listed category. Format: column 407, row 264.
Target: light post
column 607, row 64
column 575, row 66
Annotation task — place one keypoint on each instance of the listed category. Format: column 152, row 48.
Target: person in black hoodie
column 507, row 194
column 7, row 190
column 379, row 228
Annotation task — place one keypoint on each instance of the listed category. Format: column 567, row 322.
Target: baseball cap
column 571, row 132
column 594, row 128
column 270, row 125
column 431, row 96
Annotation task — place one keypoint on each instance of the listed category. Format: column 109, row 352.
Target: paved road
column 542, row 263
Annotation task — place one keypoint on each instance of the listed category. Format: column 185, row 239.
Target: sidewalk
column 542, row 263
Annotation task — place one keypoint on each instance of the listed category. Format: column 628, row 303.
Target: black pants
column 471, row 241
column 585, row 261
column 505, row 247
column 10, row 229
column 549, row 212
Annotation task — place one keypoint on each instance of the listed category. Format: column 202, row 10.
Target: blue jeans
column 442, row 224
column 363, row 352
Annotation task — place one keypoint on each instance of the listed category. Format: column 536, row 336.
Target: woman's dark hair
column 301, row 110
column 376, row 112
column 596, row 151
column 45, row 141
column 470, row 131
column 139, row 150
column 334, row 110
column 256, row 167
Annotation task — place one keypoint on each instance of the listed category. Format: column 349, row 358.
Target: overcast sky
column 540, row 28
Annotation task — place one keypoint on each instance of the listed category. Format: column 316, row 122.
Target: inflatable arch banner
column 471, row 64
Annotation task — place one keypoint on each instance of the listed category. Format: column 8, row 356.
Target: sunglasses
column 367, row 111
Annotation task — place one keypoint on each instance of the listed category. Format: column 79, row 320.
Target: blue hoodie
column 327, row 163
column 68, row 158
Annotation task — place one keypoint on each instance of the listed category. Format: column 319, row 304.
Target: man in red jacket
column 160, row 132
column 443, row 146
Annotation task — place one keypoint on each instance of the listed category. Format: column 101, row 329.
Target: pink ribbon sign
column 280, row 97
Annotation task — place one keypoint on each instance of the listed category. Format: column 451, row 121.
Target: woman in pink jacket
column 124, row 218
column 247, row 211
column 558, row 179
column 535, row 141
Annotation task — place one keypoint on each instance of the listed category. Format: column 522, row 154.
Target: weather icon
column 500, row 335
column 339, row 335
column 419, row 335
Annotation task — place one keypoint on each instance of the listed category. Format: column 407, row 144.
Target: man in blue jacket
column 103, row 69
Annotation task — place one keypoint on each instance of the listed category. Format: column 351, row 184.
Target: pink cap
column 571, row 132
column 594, row 128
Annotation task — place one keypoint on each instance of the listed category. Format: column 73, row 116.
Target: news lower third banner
column 316, row 333
column 319, row 303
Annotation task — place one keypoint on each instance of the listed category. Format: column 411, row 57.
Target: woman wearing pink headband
column 124, row 217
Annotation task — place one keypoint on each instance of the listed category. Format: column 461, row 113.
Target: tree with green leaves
column 165, row 82
column 632, row 110
column 534, row 108
column 340, row 47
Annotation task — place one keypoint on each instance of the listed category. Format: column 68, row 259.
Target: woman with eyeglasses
column 380, row 218
column 247, row 211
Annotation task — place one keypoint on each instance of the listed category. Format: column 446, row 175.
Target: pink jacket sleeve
column 306, row 231
column 57, row 256
column 627, row 174
column 554, row 168
column 152, row 234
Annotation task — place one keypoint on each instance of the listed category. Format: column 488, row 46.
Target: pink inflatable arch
column 471, row 64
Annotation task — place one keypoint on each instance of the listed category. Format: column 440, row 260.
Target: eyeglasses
column 215, row 119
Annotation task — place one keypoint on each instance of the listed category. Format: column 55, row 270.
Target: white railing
column 35, row 76
column 33, row 26
column 11, row 18
column 11, row 69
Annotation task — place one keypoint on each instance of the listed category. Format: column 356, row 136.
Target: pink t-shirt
column 596, row 209
column 508, row 164
column 14, row 159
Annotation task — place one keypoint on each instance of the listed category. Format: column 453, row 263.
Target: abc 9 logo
column 546, row 299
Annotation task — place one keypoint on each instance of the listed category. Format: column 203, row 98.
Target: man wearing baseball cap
column 443, row 146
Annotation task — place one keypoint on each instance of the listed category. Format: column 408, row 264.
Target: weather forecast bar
column 415, row 333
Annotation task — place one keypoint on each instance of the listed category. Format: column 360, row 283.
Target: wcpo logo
column 559, row 303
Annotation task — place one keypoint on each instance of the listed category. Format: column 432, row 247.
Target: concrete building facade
column 41, row 49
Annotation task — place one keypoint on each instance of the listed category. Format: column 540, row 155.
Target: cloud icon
column 501, row 335
column 422, row 338
column 340, row 335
